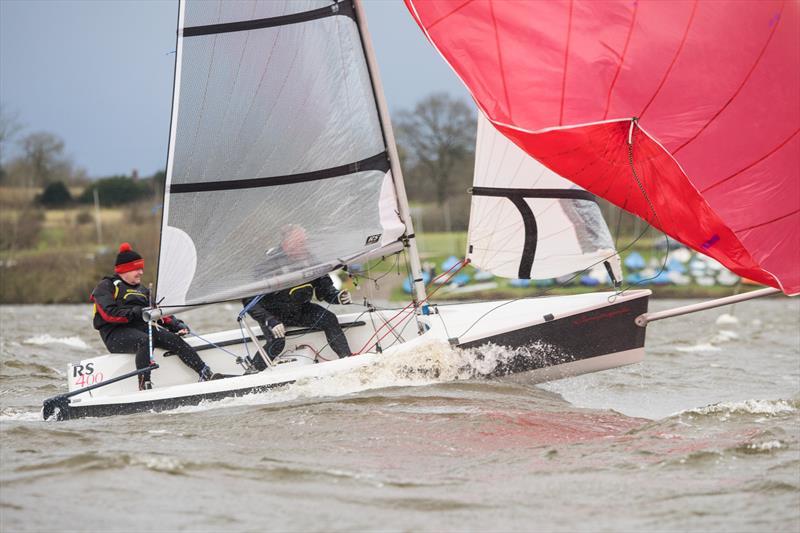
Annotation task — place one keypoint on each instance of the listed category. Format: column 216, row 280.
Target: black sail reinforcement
column 517, row 197
column 377, row 162
column 339, row 8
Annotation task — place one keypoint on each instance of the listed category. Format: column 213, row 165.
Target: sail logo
column 711, row 242
column 372, row 239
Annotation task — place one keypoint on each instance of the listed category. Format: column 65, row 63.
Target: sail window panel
column 570, row 236
column 496, row 236
column 237, row 248
column 274, row 101
column 205, row 12
column 526, row 221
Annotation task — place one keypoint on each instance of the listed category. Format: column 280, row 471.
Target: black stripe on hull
column 164, row 404
column 578, row 337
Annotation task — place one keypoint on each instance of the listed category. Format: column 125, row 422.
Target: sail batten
column 344, row 8
column 575, row 194
column 377, row 162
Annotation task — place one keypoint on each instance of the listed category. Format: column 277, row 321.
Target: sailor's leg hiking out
column 132, row 340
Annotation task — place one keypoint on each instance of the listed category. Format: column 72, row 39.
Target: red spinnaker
column 715, row 87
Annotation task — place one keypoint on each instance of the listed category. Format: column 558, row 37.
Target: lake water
column 704, row 435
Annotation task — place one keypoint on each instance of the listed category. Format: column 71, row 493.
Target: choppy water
column 704, row 435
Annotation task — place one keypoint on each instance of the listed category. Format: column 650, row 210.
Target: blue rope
column 249, row 306
column 214, row 345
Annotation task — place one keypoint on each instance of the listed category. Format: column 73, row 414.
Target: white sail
column 275, row 126
column 527, row 221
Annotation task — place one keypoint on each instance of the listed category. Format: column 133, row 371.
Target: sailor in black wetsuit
column 118, row 303
column 293, row 307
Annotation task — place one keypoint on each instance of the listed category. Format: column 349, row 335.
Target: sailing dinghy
column 279, row 120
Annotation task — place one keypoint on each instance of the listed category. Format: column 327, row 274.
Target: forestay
column 274, row 124
column 526, row 221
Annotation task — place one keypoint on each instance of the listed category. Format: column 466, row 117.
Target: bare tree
column 44, row 153
column 436, row 136
column 9, row 127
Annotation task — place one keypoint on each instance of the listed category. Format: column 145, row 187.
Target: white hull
column 550, row 338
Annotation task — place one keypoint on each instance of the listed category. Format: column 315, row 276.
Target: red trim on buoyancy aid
column 106, row 316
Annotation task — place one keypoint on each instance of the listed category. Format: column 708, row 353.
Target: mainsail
column 684, row 113
column 275, row 126
column 526, row 221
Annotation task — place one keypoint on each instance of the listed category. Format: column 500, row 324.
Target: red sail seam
column 566, row 59
column 621, row 59
column 437, row 21
column 767, row 222
column 674, row 59
column 500, row 59
column 738, row 89
column 754, row 163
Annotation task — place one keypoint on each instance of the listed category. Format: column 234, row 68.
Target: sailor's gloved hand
column 344, row 298
column 279, row 331
column 183, row 327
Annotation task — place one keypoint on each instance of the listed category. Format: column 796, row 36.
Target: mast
column 410, row 240
column 173, row 128
column 154, row 313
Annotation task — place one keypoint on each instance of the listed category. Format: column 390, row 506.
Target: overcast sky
column 99, row 73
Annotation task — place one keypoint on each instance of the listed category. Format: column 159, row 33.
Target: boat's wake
column 425, row 364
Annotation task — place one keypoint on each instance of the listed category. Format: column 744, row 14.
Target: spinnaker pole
column 645, row 318
column 410, row 240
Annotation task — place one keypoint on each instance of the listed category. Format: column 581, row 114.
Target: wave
column 266, row 468
column 701, row 347
column 724, row 335
column 746, row 407
column 19, row 415
column 750, row 448
column 32, row 368
column 45, row 340
column 726, row 319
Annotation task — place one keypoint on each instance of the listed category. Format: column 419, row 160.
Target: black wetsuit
column 118, row 317
column 293, row 307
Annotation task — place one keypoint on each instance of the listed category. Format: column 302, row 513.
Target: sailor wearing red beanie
column 127, row 260
column 118, row 304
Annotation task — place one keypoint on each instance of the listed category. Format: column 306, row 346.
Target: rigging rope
column 634, row 124
column 461, row 264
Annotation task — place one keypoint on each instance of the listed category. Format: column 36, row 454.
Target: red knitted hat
column 127, row 259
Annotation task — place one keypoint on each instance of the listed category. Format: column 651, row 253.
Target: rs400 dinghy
column 279, row 121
